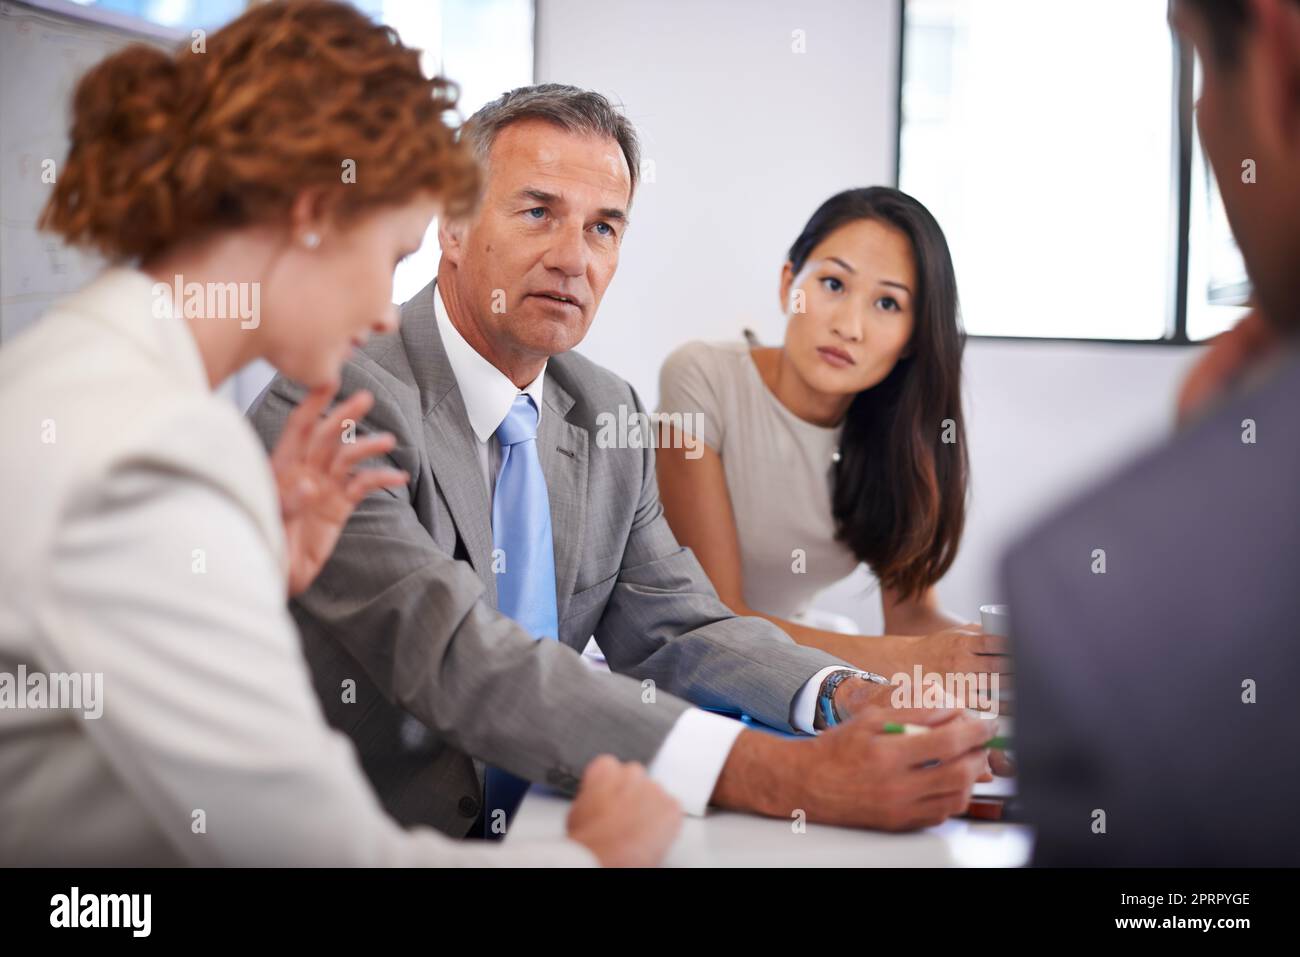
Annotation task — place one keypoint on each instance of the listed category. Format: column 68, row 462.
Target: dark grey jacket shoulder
column 1159, row 691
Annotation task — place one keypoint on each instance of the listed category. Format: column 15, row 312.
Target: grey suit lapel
column 562, row 448
column 454, row 458
column 454, row 455
column 450, row 441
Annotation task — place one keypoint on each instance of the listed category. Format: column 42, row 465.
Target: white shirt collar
column 487, row 392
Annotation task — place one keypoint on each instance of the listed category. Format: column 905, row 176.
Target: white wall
column 1044, row 420
column 747, row 137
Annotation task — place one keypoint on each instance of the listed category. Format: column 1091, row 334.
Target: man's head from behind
column 527, row 269
column 1249, row 121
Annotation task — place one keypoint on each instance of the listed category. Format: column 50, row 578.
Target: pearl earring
column 311, row 240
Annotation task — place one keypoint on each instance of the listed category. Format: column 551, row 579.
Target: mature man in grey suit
column 405, row 631
column 1155, row 620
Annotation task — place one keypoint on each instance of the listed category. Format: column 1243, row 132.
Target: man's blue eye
column 541, row 210
column 608, row 229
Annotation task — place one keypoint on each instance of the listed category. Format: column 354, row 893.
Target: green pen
column 999, row 743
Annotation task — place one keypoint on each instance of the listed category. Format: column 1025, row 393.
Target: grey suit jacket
column 405, row 607
column 1129, row 683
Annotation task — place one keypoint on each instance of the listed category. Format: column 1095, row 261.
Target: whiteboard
column 44, row 50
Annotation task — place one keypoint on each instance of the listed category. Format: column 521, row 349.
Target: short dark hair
column 1227, row 21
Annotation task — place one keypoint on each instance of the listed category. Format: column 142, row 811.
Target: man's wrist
column 852, row 693
column 827, row 712
column 762, row 774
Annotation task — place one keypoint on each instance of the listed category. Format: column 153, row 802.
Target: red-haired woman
column 255, row 198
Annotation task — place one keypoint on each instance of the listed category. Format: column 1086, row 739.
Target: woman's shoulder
column 700, row 350
column 700, row 374
column 103, row 407
column 109, row 441
column 712, row 361
column 713, row 380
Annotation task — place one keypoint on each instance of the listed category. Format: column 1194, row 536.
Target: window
column 486, row 46
column 1217, row 287
column 176, row 14
column 1053, row 143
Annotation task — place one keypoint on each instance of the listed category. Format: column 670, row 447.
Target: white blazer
column 141, row 546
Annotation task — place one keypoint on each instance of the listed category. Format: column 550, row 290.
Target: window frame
column 1183, row 65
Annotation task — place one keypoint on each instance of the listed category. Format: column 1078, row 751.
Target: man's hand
column 862, row 776
column 858, row 694
column 861, row 696
column 314, row 473
column 1000, row 764
column 622, row 816
column 856, row 774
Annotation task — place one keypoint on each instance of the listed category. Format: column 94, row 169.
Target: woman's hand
column 314, row 464
column 963, row 649
column 960, row 650
column 622, row 816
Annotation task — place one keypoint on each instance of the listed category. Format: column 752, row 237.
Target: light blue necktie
column 521, row 526
column 521, row 535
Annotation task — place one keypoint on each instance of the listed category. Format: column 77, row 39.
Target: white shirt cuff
column 691, row 758
column 803, row 713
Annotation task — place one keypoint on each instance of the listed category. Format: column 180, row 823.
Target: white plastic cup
column 995, row 619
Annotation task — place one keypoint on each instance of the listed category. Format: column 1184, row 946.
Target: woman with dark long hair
column 845, row 444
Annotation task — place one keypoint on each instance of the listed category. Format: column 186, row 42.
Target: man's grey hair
column 568, row 107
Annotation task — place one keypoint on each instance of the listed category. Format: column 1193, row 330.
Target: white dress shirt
column 143, row 542
column 690, row 760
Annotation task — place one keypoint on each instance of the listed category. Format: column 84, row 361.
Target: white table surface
column 729, row 839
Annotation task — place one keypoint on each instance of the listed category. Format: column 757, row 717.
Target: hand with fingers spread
column 315, row 467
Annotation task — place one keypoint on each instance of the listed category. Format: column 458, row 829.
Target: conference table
column 729, row 839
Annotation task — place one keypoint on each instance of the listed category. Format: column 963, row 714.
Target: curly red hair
column 167, row 147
